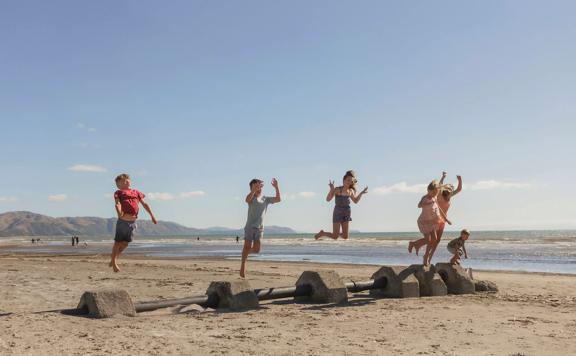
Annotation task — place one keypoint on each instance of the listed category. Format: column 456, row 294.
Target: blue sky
column 195, row 98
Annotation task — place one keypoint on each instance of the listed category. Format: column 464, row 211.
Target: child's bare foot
column 115, row 268
column 318, row 235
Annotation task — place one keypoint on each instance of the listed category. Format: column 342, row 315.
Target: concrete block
column 107, row 303
column 456, row 278
column 327, row 287
column 234, row 295
column 431, row 284
column 485, row 286
column 399, row 283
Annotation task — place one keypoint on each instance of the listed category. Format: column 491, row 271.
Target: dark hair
column 353, row 175
column 122, row 177
column 254, row 181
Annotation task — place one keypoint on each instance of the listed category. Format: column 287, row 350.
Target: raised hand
column 364, row 191
column 274, row 182
column 331, row 184
column 444, row 174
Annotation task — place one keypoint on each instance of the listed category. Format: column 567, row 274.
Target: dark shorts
column 124, row 231
column 253, row 234
column 454, row 251
column 341, row 215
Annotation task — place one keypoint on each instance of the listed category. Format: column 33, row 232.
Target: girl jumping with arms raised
column 342, row 213
column 429, row 221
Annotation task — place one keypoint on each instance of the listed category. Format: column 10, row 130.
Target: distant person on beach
column 33, row 241
column 237, row 239
column 73, row 240
column 342, row 212
column 127, row 207
column 428, row 221
column 447, row 191
column 77, row 240
column 254, row 229
column 456, row 247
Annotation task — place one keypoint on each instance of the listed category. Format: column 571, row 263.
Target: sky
column 196, row 98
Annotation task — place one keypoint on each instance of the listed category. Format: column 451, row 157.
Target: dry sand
column 534, row 314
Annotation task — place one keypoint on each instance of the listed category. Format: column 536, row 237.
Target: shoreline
column 144, row 257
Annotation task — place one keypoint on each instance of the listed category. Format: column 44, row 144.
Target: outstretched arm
column 277, row 198
column 459, row 188
column 356, row 198
column 331, row 192
column 149, row 210
column 443, row 177
column 251, row 195
column 443, row 214
column 465, row 253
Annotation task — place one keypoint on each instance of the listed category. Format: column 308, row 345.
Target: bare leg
column 417, row 244
column 245, row 252
column 115, row 253
column 439, row 233
column 345, row 228
column 433, row 240
column 454, row 259
column 429, row 240
column 255, row 247
column 333, row 235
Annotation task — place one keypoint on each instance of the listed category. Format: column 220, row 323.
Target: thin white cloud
column 58, row 197
column 160, row 196
column 403, row 187
column 193, row 194
column 493, row 184
column 299, row 195
column 83, row 126
column 8, row 199
column 87, row 168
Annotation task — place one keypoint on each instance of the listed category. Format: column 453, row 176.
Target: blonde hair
column 465, row 232
column 122, row 177
column 354, row 181
column 433, row 185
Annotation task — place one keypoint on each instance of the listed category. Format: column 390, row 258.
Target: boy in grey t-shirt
column 254, row 229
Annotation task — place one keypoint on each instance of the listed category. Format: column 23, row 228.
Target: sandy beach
column 533, row 314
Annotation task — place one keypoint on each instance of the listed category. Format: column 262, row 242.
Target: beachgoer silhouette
column 73, row 240
column 237, row 239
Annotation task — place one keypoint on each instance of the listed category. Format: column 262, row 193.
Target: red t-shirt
column 129, row 200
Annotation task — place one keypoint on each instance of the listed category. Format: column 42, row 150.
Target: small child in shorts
column 456, row 247
column 127, row 206
column 254, row 230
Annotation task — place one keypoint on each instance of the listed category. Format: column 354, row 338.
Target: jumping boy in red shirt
column 127, row 206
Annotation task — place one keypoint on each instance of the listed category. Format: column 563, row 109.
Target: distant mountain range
column 24, row 223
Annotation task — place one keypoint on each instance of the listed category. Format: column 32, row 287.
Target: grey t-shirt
column 256, row 209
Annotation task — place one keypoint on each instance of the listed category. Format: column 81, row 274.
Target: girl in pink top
column 430, row 218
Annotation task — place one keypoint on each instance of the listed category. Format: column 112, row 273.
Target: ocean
column 530, row 251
